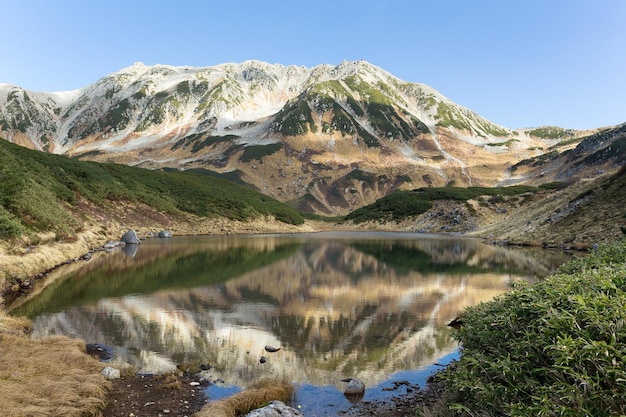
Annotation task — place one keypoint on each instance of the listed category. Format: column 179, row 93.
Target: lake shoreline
column 372, row 407
column 33, row 263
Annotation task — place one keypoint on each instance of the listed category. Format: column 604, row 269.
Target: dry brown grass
column 255, row 397
column 17, row 326
column 51, row 377
column 171, row 382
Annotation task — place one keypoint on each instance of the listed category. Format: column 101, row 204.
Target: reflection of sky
column 328, row 400
column 337, row 309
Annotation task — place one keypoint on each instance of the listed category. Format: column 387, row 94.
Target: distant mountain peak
column 292, row 132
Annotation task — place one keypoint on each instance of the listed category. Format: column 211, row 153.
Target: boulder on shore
column 110, row 373
column 131, row 238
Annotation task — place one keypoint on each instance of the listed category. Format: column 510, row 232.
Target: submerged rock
column 271, row 349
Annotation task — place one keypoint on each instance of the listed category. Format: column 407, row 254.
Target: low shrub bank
column 402, row 203
column 555, row 348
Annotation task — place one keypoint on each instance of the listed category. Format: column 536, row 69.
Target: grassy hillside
column 40, row 192
column 402, row 204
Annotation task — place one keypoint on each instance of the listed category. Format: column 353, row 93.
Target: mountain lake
column 370, row 305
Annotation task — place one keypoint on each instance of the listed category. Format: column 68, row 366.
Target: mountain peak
column 337, row 134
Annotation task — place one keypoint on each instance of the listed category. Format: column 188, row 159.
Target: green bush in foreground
column 556, row 348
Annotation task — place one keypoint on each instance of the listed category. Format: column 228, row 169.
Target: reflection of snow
column 155, row 363
column 335, row 310
column 150, row 331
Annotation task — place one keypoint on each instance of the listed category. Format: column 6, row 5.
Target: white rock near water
column 355, row 387
column 275, row 409
column 110, row 373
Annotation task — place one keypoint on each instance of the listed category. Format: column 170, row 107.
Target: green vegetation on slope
column 199, row 141
column 551, row 132
column 402, row 204
column 259, row 151
column 536, row 160
column 296, row 118
column 394, row 206
column 550, row 349
column 38, row 191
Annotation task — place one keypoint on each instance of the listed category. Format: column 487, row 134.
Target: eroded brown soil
column 154, row 396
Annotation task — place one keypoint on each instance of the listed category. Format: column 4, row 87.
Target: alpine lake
column 370, row 305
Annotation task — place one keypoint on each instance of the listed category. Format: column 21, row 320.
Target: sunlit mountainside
column 328, row 139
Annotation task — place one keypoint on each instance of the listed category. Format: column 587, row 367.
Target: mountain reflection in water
column 364, row 305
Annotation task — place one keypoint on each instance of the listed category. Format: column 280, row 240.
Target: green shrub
column 555, row 348
column 259, row 151
column 296, row 119
column 395, row 206
column 402, row 204
column 556, row 185
column 448, row 116
column 10, row 226
column 550, row 132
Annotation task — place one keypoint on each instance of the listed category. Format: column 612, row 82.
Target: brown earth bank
column 173, row 395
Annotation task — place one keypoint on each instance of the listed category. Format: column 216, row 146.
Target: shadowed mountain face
column 338, row 304
column 329, row 138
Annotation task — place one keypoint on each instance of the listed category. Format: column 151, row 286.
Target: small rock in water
column 355, row 386
column 165, row 234
column 269, row 348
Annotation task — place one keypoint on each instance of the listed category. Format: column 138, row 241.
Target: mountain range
column 327, row 139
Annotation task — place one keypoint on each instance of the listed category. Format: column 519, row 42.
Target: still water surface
column 368, row 305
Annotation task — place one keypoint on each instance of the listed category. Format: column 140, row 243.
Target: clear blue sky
column 518, row 63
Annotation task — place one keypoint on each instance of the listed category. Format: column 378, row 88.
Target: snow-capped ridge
column 311, row 126
column 167, row 101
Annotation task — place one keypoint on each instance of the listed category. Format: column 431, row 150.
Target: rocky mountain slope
column 329, row 139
